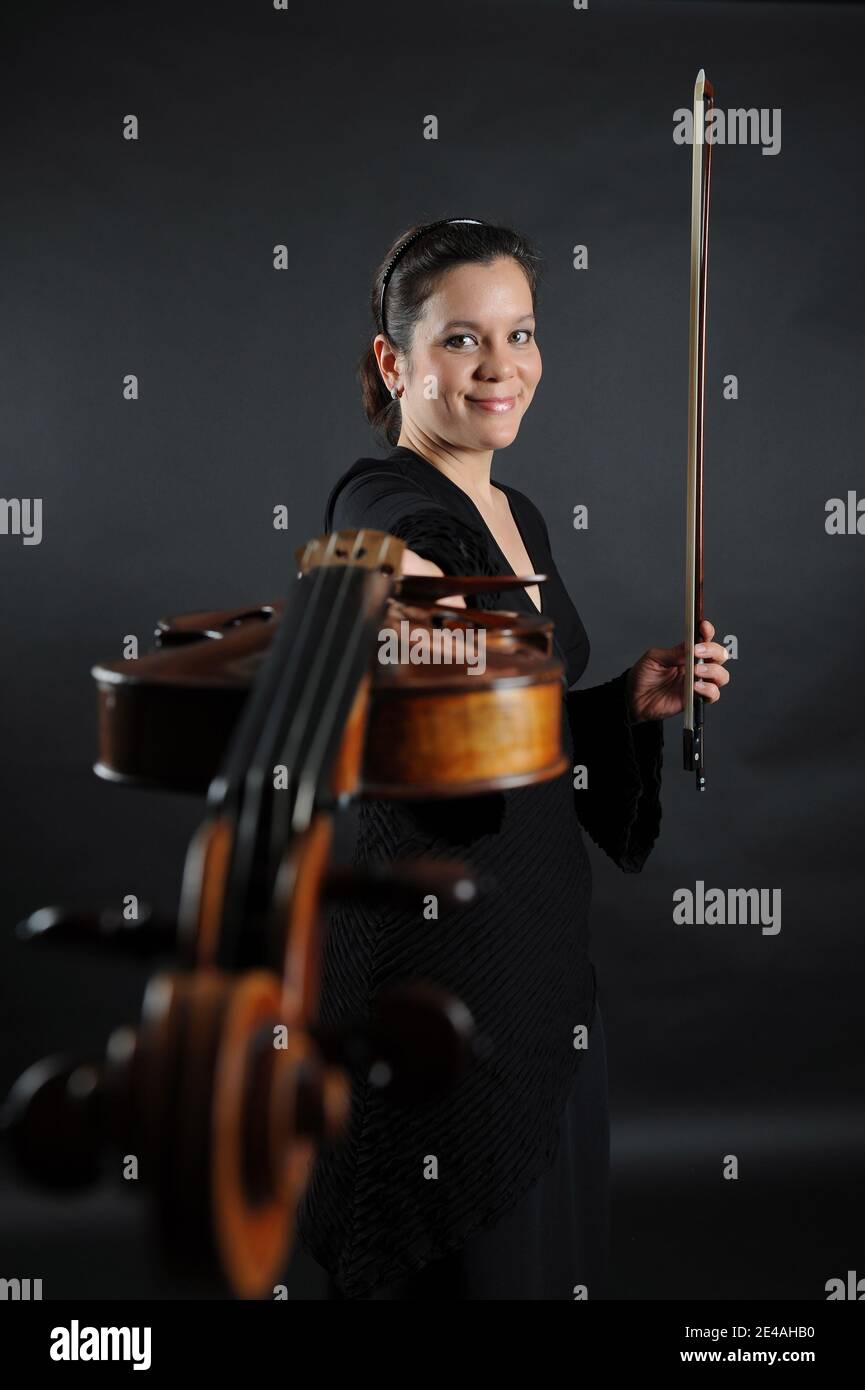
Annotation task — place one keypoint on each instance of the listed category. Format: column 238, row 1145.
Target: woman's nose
column 498, row 364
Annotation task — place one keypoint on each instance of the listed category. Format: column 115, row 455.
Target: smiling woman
column 499, row 1190
column 438, row 327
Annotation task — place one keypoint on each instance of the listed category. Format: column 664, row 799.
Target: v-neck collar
column 540, row 612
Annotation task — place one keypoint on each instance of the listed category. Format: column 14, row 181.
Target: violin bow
column 701, row 166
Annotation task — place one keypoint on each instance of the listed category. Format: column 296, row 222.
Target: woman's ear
column 386, row 358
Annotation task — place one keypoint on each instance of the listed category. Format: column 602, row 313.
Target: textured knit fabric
column 553, row 1246
column 518, row 957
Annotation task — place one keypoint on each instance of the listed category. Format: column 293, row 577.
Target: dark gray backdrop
column 155, row 257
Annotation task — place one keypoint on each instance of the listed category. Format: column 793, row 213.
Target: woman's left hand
column 656, row 683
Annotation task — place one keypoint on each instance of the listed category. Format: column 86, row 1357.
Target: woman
column 500, row 1190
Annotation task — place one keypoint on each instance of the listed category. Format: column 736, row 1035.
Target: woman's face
column 474, row 343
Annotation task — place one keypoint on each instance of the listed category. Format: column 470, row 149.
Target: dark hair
column 412, row 281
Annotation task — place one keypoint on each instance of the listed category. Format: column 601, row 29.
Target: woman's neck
column 468, row 468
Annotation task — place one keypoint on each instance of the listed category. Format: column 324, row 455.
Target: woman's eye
column 458, row 337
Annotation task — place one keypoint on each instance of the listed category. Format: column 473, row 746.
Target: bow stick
column 692, row 733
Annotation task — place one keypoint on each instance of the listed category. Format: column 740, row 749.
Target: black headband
column 443, row 222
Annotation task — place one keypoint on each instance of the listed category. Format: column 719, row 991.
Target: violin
column 284, row 714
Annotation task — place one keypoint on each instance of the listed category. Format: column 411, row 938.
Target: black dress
column 499, row 1189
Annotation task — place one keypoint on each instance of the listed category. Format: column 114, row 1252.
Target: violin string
column 257, row 799
column 300, row 721
column 253, row 778
column 315, row 754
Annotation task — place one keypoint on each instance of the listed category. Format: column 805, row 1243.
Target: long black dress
column 439, row 1200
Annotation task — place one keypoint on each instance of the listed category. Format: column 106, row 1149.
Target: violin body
column 283, row 714
column 165, row 719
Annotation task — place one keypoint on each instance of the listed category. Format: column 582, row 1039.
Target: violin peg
column 49, row 1124
column 148, row 935
column 422, row 1040
column 406, row 882
column 417, row 1043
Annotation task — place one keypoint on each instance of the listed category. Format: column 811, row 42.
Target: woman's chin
column 497, row 433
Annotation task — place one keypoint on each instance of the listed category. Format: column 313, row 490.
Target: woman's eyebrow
column 467, row 323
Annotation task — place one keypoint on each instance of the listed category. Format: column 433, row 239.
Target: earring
column 394, row 393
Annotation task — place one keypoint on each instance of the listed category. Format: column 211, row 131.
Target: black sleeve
column 387, row 503
column 620, row 808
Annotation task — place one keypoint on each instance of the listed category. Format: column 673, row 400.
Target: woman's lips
column 497, row 405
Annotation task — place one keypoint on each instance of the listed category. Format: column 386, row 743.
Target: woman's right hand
column 416, row 564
